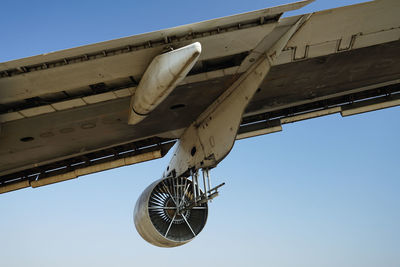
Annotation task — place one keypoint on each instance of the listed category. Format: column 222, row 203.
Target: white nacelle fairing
column 161, row 77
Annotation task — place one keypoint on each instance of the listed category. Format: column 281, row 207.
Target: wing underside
column 65, row 114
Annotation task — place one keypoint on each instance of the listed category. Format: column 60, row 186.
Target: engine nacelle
column 164, row 214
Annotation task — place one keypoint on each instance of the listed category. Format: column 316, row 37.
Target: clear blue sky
column 324, row 192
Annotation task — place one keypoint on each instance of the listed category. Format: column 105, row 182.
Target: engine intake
column 165, row 214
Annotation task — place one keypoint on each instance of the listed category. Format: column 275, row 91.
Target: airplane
column 199, row 87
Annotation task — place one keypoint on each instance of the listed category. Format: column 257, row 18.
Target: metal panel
column 14, row 186
column 167, row 36
column 371, row 23
column 367, row 106
column 259, row 129
column 73, row 103
column 11, row 116
column 376, row 38
column 327, row 76
column 30, row 112
column 89, row 163
column 310, row 115
column 285, row 57
column 99, row 98
column 97, row 168
column 322, row 49
column 124, row 92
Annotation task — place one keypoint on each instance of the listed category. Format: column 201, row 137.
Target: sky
column 323, row 192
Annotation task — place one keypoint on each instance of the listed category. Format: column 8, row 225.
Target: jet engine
column 170, row 212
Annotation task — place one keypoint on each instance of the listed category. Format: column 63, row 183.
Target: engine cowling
column 164, row 215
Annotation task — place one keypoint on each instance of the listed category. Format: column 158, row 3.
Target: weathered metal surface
column 163, row 74
column 358, row 65
column 71, row 69
column 372, row 98
column 67, row 169
column 370, row 105
column 67, row 133
column 171, row 35
column 327, row 76
column 259, row 128
column 74, row 132
column 345, row 28
column 211, row 136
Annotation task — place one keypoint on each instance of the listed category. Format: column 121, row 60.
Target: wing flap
column 86, row 164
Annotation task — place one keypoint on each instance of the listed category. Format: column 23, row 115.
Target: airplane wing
column 65, row 114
